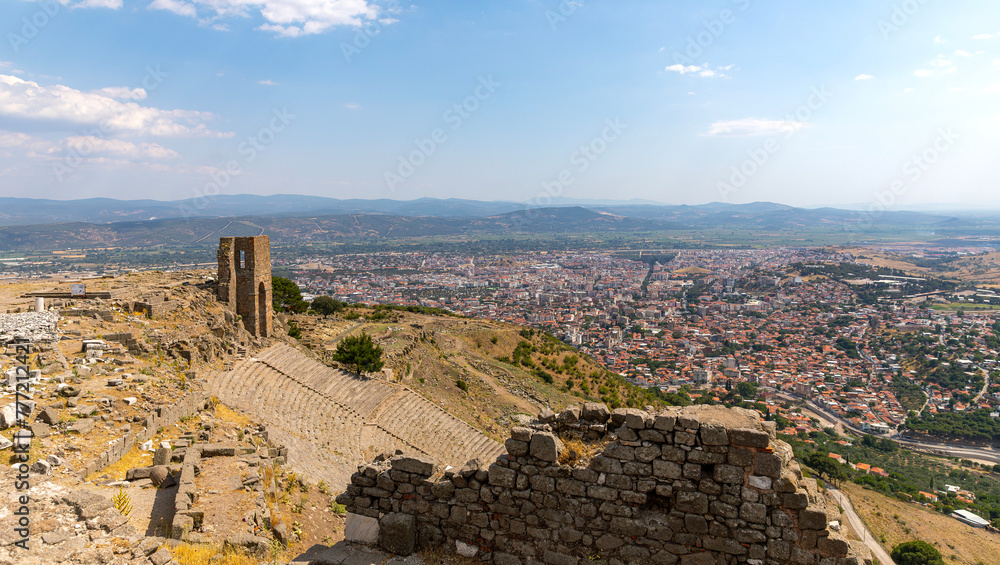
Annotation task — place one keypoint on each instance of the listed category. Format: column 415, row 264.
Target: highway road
column 933, row 448
column 878, row 552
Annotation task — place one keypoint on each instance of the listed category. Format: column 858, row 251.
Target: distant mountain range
column 30, row 211
column 31, row 224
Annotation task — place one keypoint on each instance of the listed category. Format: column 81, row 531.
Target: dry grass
column 442, row 555
column 203, row 554
column 579, row 452
column 898, row 522
column 134, row 458
column 227, row 414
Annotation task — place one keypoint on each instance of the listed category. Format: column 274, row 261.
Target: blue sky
column 858, row 102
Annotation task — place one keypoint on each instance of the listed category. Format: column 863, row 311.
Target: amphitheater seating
column 332, row 421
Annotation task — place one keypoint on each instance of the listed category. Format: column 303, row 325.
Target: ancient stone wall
column 188, row 405
column 244, row 280
column 226, row 290
column 694, row 486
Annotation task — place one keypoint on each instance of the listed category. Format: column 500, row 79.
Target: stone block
column 570, row 415
column 502, row 476
column 620, row 452
column 398, row 533
column 417, row 465
column 516, row 448
column 747, row 437
column 162, row 456
column 521, row 434
column 703, row 558
column 688, row 421
column 712, row 434
column 812, row 519
column 545, row 446
column 636, row 419
column 692, row 502
column 465, row 550
column 767, row 464
column 753, row 512
column 49, row 416
column 728, row 474
column 595, row 412
column 361, row 529
column 664, row 422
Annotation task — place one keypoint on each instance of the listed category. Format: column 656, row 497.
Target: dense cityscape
column 861, row 343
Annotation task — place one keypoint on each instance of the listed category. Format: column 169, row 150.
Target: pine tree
column 360, row 353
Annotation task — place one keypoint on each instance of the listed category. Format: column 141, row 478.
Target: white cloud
column 983, row 36
column 863, row 77
column 176, row 6
column 14, row 139
column 684, row 69
column 962, row 53
column 286, row 18
column 923, row 73
column 701, row 70
column 907, row 90
column 942, row 61
column 996, row 62
column 753, row 126
column 352, row 106
column 938, row 39
column 91, row 146
column 71, row 109
column 111, row 4
column 267, row 82
column 5, row 64
column 123, row 93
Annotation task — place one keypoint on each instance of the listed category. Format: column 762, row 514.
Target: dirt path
column 877, row 550
column 522, row 404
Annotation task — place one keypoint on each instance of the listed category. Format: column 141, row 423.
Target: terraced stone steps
column 332, row 421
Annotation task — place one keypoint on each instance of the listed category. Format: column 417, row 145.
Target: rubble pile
column 28, row 326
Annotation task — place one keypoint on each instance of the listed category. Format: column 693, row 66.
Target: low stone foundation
column 694, row 486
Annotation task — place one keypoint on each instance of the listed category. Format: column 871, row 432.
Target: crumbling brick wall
column 244, row 281
column 694, row 486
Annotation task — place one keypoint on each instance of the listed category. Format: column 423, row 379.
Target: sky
column 861, row 103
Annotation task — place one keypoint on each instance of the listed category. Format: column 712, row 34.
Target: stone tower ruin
column 245, row 280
